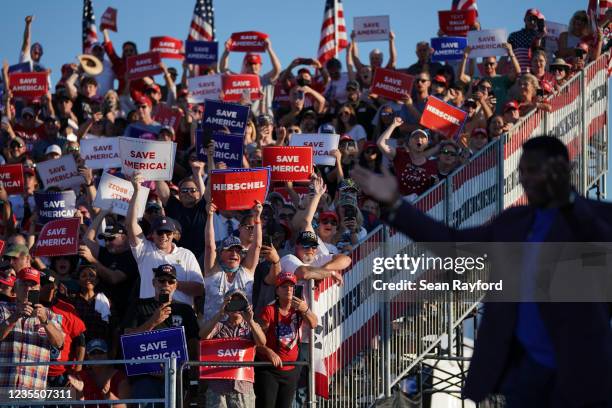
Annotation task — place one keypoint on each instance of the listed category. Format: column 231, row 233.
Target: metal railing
column 168, row 370
column 371, row 339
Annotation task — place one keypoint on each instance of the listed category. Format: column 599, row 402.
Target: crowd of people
column 186, row 261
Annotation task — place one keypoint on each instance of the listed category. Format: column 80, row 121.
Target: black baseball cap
column 307, row 238
column 111, row 230
column 165, row 270
column 163, row 224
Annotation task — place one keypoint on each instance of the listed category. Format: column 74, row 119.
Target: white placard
column 371, row 28
column 487, row 43
column 554, row 30
column 153, row 159
column 115, row 193
column 60, row 173
column 204, row 87
column 322, row 144
column 101, row 152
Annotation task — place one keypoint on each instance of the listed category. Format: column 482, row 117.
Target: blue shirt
column 530, row 329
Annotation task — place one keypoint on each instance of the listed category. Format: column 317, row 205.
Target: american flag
column 90, row 33
column 333, row 31
column 203, row 23
column 464, row 5
column 597, row 10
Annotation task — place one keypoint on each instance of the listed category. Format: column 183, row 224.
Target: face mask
column 228, row 269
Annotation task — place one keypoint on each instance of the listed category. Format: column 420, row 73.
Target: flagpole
column 335, row 28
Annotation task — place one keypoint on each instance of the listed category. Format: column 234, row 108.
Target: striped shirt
column 521, row 42
column 27, row 342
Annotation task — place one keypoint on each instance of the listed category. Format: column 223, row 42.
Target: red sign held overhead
column 443, row 118
column 58, row 238
column 288, row 163
column 167, row 116
column 235, row 85
column 28, row 85
column 11, row 178
column 457, row 23
column 227, row 350
column 249, row 41
column 144, row 65
column 391, row 84
column 238, row 189
column 167, row 47
column 109, row 20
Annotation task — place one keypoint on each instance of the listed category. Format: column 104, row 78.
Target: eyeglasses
column 188, row 190
column 329, row 221
column 248, row 227
column 168, row 281
column 449, row 152
column 72, row 149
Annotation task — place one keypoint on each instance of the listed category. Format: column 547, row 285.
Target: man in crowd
column 424, row 63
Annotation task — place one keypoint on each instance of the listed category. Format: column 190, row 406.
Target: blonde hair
column 572, row 23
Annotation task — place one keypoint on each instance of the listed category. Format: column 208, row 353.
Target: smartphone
column 350, row 212
column 267, row 241
column 540, row 92
column 164, row 297
column 298, row 292
column 541, row 25
column 237, row 304
column 34, row 297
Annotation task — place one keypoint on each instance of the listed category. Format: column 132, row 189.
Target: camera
column 34, row 297
column 164, row 297
column 237, row 304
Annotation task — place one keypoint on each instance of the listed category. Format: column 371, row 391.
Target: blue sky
column 293, row 25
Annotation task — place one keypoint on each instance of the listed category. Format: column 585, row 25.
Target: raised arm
column 135, row 234
column 355, row 53
column 319, row 100
column 25, row 46
column 382, row 142
column 170, row 85
column 516, row 67
column 350, row 65
column 90, row 236
column 276, row 65
column 303, row 218
column 163, row 191
column 392, row 51
column 197, row 170
column 210, row 247
column 463, row 76
column 224, row 60
column 252, row 256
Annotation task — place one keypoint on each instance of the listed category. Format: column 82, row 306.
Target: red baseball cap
column 29, row 274
column 440, row 79
column 345, row 137
column 252, row 58
column 511, row 105
column 325, row 215
column 8, row 280
column 368, row 144
column 285, row 277
column 536, row 13
column 154, row 87
column 143, row 100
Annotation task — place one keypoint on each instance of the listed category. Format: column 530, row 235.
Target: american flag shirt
column 286, row 344
column 522, row 42
column 27, row 342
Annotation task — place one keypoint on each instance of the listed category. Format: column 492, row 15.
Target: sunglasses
column 168, row 281
column 143, row 106
column 422, row 80
column 489, row 64
column 109, row 239
column 189, row 190
column 449, row 152
column 16, row 145
column 309, row 246
column 386, row 113
column 329, row 221
column 248, row 227
column 164, row 232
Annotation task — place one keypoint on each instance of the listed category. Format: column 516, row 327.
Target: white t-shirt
column 106, row 79
column 148, row 256
column 336, row 89
column 289, row 263
column 357, row 133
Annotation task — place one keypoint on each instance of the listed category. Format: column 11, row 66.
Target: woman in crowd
column 281, row 321
column 579, row 30
column 448, row 158
column 528, row 95
column 347, row 124
column 370, row 157
column 546, row 79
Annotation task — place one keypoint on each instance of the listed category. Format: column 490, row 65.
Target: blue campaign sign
column 228, row 147
column 448, row 48
column 158, row 344
column 201, row 52
column 23, row 67
column 55, row 205
column 220, row 115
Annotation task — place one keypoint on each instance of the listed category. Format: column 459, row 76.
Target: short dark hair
column 132, row 43
column 89, row 80
column 550, row 146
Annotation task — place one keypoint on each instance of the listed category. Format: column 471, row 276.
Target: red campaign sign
column 443, row 118
column 391, row 84
column 109, row 20
column 238, row 189
column 227, row 350
column 144, row 65
column 456, row 23
column 167, row 47
column 59, row 238
column 28, row 85
column 249, row 41
column 288, row 163
column 235, row 85
column 167, row 116
column 11, row 177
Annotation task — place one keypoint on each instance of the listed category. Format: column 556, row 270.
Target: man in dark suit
column 536, row 354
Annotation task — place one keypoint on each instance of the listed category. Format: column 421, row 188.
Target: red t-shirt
column 288, row 334
column 413, row 179
column 72, row 326
column 91, row 390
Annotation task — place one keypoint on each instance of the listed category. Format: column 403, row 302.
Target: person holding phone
column 161, row 312
column 530, row 37
column 28, row 333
